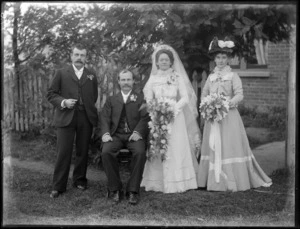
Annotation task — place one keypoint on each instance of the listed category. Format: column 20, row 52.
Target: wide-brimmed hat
column 225, row 46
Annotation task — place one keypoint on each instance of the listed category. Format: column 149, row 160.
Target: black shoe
column 115, row 196
column 54, row 194
column 81, row 187
column 133, row 198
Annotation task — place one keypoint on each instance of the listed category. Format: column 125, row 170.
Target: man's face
column 78, row 57
column 126, row 81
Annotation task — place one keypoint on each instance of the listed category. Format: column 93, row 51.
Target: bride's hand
column 177, row 109
column 231, row 104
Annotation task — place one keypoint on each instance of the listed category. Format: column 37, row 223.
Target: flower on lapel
column 90, row 77
column 133, row 98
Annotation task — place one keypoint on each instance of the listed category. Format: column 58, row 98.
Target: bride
column 168, row 79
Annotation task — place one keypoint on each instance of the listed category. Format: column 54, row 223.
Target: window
column 257, row 63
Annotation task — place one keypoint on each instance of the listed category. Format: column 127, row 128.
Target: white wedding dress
column 178, row 172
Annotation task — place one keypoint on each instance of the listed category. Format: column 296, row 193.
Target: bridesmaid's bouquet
column 214, row 107
column 162, row 113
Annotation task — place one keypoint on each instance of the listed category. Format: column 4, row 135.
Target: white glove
column 177, row 109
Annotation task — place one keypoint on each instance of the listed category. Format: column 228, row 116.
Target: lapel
column 128, row 98
column 72, row 73
column 84, row 78
column 120, row 98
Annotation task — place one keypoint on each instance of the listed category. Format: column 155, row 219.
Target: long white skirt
column 178, row 172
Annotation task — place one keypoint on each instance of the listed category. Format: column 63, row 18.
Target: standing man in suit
column 123, row 124
column 73, row 92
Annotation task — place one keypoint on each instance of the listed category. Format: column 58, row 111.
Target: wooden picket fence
column 26, row 107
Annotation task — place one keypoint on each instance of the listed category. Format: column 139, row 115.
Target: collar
column 166, row 72
column 221, row 74
column 125, row 95
column 76, row 70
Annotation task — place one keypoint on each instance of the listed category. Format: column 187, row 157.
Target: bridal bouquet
column 214, row 107
column 162, row 113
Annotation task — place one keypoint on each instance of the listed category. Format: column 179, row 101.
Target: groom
column 124, row 125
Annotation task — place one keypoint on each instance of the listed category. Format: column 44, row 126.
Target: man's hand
column 106, row 138
column 97, row 159
column 70, row 103
column 135, row 137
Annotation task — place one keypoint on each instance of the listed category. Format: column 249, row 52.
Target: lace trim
column 230, row 160
column 223, row 74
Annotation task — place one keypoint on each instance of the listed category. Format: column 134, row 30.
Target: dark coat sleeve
column 105, row 117
column 54, row 91
column 95, row 85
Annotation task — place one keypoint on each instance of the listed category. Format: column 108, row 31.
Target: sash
column 215, row 145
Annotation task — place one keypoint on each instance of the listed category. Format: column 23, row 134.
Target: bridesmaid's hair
column 229, row 55
column 168, row 52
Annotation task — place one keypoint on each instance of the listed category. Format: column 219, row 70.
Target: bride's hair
column 168, row 52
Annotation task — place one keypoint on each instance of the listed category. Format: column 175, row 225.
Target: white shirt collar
column 125, row 96
column 76, row 70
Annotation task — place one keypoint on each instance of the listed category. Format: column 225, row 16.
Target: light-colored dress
column 178, row 172
column 239, row 168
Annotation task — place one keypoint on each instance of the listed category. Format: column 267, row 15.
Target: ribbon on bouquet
column 215, row 145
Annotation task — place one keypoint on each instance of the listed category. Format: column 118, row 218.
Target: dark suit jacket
column 65, row 86
column 111, row 114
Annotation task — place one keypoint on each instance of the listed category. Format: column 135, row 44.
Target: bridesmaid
column 234, row 168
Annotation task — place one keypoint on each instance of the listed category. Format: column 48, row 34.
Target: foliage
column 122, row 36
column 125, row 33
column 162, row 113
column 214, row 107
column 274, row 119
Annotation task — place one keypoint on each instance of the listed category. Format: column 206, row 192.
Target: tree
column 125, row 33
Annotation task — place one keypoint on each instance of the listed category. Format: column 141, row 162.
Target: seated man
column 124, row 124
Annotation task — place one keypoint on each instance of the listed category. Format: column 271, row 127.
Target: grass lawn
column 27, row 201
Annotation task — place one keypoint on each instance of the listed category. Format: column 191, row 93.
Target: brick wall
column 265, row 92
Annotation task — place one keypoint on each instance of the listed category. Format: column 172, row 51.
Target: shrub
column 274, row 119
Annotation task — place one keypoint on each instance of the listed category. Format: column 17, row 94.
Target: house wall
column 265, row 92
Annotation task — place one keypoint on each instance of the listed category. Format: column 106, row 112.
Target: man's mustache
column 79, row 61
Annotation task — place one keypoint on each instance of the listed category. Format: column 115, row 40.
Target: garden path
column 270, row 157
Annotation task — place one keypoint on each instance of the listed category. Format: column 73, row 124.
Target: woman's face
column 164, row 62
column 221, row 60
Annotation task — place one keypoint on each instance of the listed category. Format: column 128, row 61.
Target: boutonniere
column 90, row 77
column 133, row 97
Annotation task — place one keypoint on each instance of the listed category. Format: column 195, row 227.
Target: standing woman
column 237, row 169
column 168, row 79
